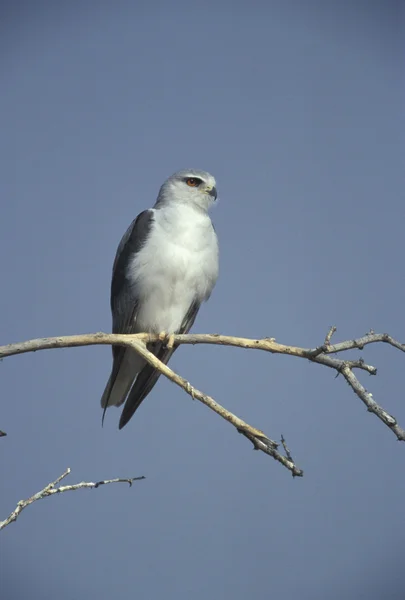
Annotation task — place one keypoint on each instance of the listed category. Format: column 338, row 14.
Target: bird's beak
column 212, row 191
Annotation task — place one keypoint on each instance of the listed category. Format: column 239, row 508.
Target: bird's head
column 192, row 187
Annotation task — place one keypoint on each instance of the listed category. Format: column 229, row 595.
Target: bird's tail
column 144, row 383
column 116, row 391
column 122, row 376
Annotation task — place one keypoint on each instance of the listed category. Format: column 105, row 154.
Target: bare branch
column 371, row 404
column 259, row 439
column 369, row 338
column 328, row 337
column 320, row 355
column 286, row 448
column 50, row 490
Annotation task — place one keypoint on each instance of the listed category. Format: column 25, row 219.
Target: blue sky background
column 297, row 109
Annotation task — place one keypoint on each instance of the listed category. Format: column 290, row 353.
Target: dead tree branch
column 50, row 490
column 320, row 355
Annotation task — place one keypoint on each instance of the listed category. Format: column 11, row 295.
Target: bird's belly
column 169, row 279
column 158, row 314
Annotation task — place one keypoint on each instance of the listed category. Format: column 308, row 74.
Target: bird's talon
column 167, row 339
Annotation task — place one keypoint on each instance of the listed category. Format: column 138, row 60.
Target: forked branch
column 321, row 355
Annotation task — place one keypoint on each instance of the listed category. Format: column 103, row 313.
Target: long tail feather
column 145, row 381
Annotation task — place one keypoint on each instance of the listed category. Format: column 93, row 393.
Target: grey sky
column 297, row 109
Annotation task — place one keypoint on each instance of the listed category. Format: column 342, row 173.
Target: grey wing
column 124, row 307
column 149, row 376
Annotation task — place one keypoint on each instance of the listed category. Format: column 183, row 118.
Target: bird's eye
column 193, row 182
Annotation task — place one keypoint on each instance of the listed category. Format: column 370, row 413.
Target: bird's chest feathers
column 179, row 262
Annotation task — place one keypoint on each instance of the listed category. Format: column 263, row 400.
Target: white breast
column 177, row 266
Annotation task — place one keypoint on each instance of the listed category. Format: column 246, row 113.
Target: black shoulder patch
column 132, row 241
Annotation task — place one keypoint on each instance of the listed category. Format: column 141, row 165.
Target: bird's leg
column 167, row 338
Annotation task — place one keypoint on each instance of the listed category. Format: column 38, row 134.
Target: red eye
column 192, row 182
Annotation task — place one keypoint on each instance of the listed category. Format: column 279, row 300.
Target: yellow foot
column 167, row 338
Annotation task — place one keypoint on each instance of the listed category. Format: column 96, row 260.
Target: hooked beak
column 212, row 192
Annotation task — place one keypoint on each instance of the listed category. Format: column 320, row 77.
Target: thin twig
column 328, row 337
column 371, row 404
column 286, row 449
column 50, row 490
column 369, row 338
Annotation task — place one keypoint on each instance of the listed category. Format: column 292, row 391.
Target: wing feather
column 124, row 301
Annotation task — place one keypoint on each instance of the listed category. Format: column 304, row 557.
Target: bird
column 165, row 267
